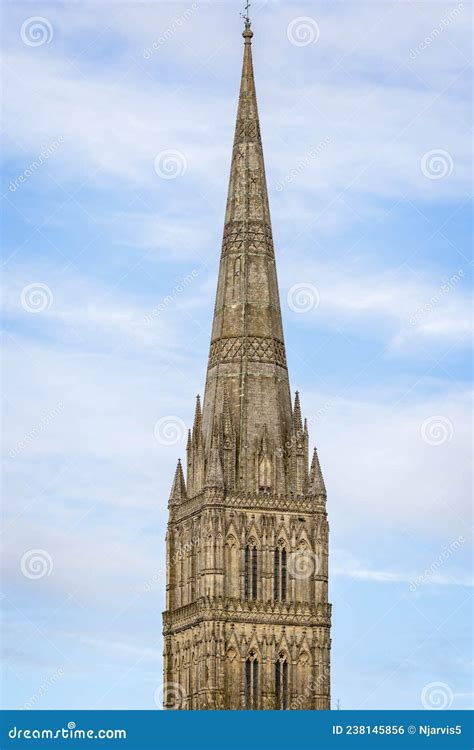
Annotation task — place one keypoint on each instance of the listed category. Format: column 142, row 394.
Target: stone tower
column 247, row 620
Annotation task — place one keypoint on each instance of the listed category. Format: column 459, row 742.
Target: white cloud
column 410, row 308
column 380, row 471
column 379, row 128
column 345, row 565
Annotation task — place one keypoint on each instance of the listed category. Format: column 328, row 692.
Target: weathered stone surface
column 247, row 620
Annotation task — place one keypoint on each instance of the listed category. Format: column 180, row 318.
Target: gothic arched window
column 279, row 572
column 251, row 682
column 281, row 682
column 251, row 570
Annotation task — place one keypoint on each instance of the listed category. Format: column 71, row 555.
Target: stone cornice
column 249, row 501
column 237, row 611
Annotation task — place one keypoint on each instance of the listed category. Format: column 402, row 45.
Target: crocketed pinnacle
column 316, row 481
column 214, row 474
column 178, row 488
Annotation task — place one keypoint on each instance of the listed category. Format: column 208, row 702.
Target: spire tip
column 247, row 32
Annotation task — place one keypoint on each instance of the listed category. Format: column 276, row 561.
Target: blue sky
column 109, row 276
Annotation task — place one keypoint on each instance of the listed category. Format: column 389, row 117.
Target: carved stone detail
column 251, row 236
column 247, row 131
column 252, row 348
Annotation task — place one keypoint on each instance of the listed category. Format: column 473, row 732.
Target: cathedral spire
column 249, row 503
column 247, row 355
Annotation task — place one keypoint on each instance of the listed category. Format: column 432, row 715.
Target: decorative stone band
column 253, row 348
column 249, row 501
column 247, row 237
column 301, row 613
column 247, row 131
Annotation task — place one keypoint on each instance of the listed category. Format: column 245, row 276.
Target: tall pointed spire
column 249, row 498
column 247, row 353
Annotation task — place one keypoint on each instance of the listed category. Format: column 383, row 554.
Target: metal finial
column 247, row 32
column 246, row 17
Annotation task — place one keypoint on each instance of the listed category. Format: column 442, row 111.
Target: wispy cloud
column 346, row 566
column 120, row 341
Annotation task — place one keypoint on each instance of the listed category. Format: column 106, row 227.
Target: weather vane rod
column 246, row 17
